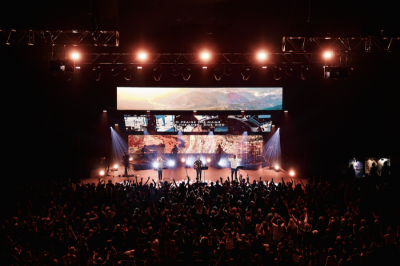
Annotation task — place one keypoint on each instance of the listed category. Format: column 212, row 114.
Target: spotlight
column 157, row 73
column 104, row 111
column 183, row 160
column 245, row 72
column 171, row 163
column 131, row 159
column 208, row 160
column 114, row 71
column 328, row 54
column 264, row 67
column 304, row 72
column 127, row 73
column 142, row 56
column 116, row 125
column 204, row 67
column 115, row 166
column 75, row 55
column 286, row 111
column 175, row 70
column 139, row 67
column 262, row 56
column 78, row 67
column 289, row 70
column 101, row 173
column 205, row 56
column 219, row 163
column 155, row 164
column 228, row 71
column 276, row 167
column 278, row 73
column 186, row 73
column 218, row 73
column 291, row 173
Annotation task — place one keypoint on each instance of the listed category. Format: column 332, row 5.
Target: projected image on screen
column 165, row 123
column 254, row 122
column 162, row 98
column 232, row 144
column 137, row 123
column 198, row 123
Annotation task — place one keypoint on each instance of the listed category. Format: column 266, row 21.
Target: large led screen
column 137, row 123
column 189, row 144
column 167, row 98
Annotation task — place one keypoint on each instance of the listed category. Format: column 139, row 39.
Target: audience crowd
column 342, row 222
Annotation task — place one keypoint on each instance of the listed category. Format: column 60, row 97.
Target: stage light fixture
column 276, row 167
column 75, row 55
column 139, row 67
column 155, row 164
column 228, row 70
column 171, row 163
column 208, row 160
column 183, row 160
column 246, row 71
column 286, row 111
column 278, row 73
column 291, row 173
column 116, row 125
column 131, row 159
column 205, row 56
column 104, row 111
column 218, row 73
column 186, row 73
column 101, row 173
column 304, row 72
column 157, row 73
column 78, row 67
column 127, row 73
column 288, row 70
column 142, row 56
column 115, row 166
column 264, row 67
column 204, row 67
column 262, row 56
column 328, row 54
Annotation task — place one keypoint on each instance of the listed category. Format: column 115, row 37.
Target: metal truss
column 195, row 58
column 59, row 37
column 342, row 44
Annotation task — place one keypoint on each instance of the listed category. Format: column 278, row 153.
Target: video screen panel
column 197, row 144
column 167, row 98
column 254, row 122
column 136, row 123
column 199, row 123
column 165, row 123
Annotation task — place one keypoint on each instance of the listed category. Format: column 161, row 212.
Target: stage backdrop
column 166, row 98
column 231, row 144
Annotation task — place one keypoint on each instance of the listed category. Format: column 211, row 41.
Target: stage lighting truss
column 59, row 37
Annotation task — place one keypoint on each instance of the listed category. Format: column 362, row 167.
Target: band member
column 197, row 165
column 175, row 152
column 125, row 162
column 145, row 153
column 219, row 153
column 234, row 164
column 160, row 167
column 106, row 162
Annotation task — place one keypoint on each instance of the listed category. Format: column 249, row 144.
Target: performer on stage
column 234, row 164
column 175, row 152
column 160, row 167
column 106, row 162
column 219, row 153
column 145, row 153
column 197, row 165
column 125, row 162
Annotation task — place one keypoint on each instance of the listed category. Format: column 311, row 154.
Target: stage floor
column 179, row 174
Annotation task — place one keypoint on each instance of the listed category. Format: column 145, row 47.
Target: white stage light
column 276, row 167
column 291, row 173
column 204, row 67
column 101, row 173
column 155, row 164
column 328, row 54
column 130, row 159
column 139, row 67
column 205, row 56
column 171, row 163
column 142, row 56
column 75, row 56
column 262, row 56
column 115, row 166
column 183, row 160
column 208, row 160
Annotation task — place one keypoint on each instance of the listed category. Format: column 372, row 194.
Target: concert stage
column 180, row 173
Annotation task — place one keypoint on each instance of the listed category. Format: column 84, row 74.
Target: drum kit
column 251, row 152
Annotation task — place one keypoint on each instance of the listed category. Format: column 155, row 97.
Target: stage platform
column 180, row 173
